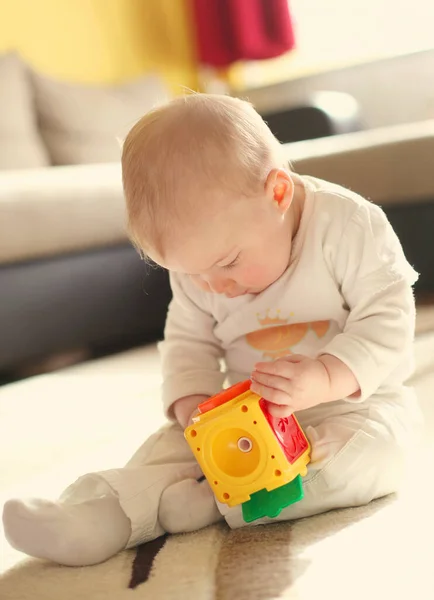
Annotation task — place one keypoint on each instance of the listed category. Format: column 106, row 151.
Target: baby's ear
column 279, row 187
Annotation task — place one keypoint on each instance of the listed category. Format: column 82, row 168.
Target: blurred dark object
column 414, row 225
column 323, row 114
column 232, row 30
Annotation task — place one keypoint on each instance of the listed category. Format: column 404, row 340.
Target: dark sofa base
column 101, row 300
column 414, row 225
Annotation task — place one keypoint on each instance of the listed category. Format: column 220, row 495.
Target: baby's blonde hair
column 181, row 152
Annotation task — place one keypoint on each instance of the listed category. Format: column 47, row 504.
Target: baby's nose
column 220, row 286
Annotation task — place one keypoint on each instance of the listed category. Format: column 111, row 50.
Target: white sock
column 187, row 506
column 84, row 533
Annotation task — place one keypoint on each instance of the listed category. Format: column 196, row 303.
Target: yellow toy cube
column 242, row 449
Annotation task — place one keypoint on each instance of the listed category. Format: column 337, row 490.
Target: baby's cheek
column 255, row 275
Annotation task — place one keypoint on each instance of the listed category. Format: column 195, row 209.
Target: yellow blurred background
column 102, row 41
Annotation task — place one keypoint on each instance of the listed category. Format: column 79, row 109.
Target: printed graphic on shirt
column 277, row 337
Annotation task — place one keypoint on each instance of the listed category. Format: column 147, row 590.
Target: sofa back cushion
column 85, row 123
column 20, row 144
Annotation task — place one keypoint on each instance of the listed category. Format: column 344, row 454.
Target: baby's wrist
column 342, row 381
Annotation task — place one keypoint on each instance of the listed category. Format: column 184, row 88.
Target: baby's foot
column 84, row 533
column 187, row 506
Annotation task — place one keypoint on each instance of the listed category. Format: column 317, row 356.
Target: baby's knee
column 366, row 468
column 187, row 506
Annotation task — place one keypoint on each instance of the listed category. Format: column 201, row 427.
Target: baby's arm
column 375, row 281
column 190, row 352
column 342, row 381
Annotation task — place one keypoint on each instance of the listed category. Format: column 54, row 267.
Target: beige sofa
column 70, row 280
column 70, row 208
column 46, row 123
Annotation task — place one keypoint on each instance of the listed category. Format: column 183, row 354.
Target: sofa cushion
column 389, row 165
column 71, row 208
column 84, row 123
column 20, row 144
column 57, row 210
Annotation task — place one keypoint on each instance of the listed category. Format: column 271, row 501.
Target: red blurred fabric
column 231, row 30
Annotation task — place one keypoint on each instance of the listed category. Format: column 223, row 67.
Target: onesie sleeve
column 375, row 281
column 190, row 352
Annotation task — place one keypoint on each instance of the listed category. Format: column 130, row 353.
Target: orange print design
column 278, row 340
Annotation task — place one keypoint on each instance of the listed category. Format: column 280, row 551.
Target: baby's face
column 233, row 248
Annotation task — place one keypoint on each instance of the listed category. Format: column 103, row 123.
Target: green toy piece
column 270, row 504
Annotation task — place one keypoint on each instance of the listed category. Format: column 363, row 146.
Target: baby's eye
column 233, row 263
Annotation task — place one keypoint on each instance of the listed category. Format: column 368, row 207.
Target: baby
column 295, row 282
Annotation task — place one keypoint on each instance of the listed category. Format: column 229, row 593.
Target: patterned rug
column 379, row 551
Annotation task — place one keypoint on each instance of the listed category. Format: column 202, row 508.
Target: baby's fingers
column 281, row 368
column 270, row 394
column 279, row 411
column 272, row 381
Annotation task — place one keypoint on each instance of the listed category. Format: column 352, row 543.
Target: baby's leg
column 354, row 460
column 83, row 529
column 103, row 513
column 187, row 506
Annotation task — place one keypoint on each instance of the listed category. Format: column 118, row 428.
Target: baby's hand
column 292, row 383
column 186, row 408
column 191, row 417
